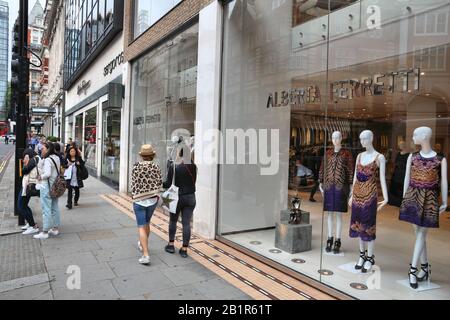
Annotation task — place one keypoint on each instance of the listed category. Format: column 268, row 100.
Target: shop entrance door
column 111, row 145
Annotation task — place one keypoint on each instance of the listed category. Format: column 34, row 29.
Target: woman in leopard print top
column 146, row 184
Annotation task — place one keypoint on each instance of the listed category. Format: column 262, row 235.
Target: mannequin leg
column 330, row 239
column 420, row 253
column 370, row 248
column 330, row 224
column 338, row 225
column 362, row 255
column 370, row 262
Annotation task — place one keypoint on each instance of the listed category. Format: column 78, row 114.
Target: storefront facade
column 94, row 112
column 261, row 86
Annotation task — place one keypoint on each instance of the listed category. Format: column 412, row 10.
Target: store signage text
column 117, row 61
column 83, row 86
column 403, row 81
column 156, row 118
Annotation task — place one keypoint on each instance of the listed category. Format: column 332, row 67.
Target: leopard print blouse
column 146, row 180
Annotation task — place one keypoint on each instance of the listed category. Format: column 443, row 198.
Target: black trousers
column 25, row 210
column 70, row 194
column 186, row 206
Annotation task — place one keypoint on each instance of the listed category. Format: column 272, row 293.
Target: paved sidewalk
column 102, row 242
column 8, row 222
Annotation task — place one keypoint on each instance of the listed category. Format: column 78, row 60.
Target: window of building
column 339, row 118
column 147, row 12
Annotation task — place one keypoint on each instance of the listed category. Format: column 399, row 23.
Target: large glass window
column 147, row 12
column 164, row 84
column 87, row 22
column 111, row 145
column 343, row 86
column 90, row 137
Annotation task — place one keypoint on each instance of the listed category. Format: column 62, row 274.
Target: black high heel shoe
column 372, row 262
column 329, row 244
column 413, row 272
column 362, row 256
column 427, row 269
column 337, row 246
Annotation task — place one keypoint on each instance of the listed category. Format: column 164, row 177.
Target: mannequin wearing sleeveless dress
column 364, row 197
column 420, row 205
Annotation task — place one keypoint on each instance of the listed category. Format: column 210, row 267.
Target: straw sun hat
column 147, row 150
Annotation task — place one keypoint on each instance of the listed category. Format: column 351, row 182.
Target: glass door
column 111, row 145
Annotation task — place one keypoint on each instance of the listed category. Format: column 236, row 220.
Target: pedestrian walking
column 6, row 139
column 73, row 174
column 49, row 169
column 30, row 174
column 185, row 179
column 39, row 146
column 146, row 185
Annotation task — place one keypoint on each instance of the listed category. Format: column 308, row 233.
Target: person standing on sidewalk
column 74, row 165
column 30, row 173
column 49, row 169
column 185, row 179
column 146, row 185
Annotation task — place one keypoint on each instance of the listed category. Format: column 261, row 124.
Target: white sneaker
column 140, row 247
column 31, row 230
column 41, row 235
column 144, row 260
column 53, row 232
column 25, row 227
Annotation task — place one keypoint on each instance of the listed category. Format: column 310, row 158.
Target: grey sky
column 13, row 13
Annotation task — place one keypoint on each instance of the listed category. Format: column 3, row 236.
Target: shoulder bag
column 58, row 188
column 170, row 196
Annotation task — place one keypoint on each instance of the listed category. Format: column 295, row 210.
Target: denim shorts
column 143, row 214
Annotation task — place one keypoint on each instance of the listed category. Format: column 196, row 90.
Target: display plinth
column 285, row 216
column 293, row 238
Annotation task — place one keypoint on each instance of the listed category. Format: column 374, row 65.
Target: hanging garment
column 336, row 175
column 397, row 181
column 364, row 205
column 420, row 205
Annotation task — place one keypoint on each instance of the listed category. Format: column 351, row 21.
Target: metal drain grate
column 20, row 257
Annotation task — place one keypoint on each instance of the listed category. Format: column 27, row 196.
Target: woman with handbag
column 30, row 173
column 49, row 169
column 74, row 166
column 185, row 178
column 146, row 185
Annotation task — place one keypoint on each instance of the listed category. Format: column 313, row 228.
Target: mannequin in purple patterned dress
column 364, row 198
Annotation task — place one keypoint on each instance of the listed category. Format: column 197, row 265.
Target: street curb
column 23, row 282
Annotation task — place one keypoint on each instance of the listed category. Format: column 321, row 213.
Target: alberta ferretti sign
column 403, row 81
column 83, row 86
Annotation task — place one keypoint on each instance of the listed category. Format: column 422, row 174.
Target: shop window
column 347, row 113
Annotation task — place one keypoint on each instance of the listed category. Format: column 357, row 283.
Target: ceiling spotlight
column 427, row 94
column 422, row 73
column 385, row 103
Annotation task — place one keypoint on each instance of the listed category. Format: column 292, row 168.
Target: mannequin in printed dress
column 364, row 200
column 426, row 172
column 336, row 176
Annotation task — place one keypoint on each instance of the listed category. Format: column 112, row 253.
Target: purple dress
column 336, row 174
column 420, row 205
column 364, row 204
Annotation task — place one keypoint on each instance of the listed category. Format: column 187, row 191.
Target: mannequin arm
column 321, row 173
column 354, row 180
column 444, row 186
column 382, row 165
column 407, row 175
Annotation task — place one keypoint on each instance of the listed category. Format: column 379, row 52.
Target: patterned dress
column 364, row 204
column 336, row 175
column 420, row 205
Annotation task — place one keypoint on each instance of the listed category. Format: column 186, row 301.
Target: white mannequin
column 336, row 138
column 366, row 157
column 422, row 137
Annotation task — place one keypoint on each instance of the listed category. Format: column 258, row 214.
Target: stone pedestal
column 293, row 238
column 285, row 216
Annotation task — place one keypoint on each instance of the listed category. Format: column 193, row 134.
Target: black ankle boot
column 329, row 244
column 337, row 246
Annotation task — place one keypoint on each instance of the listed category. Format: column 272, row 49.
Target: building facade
column 258, row 88
column 52, row 93
column 94, row 81
column 37, row 72
column 4, row 58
